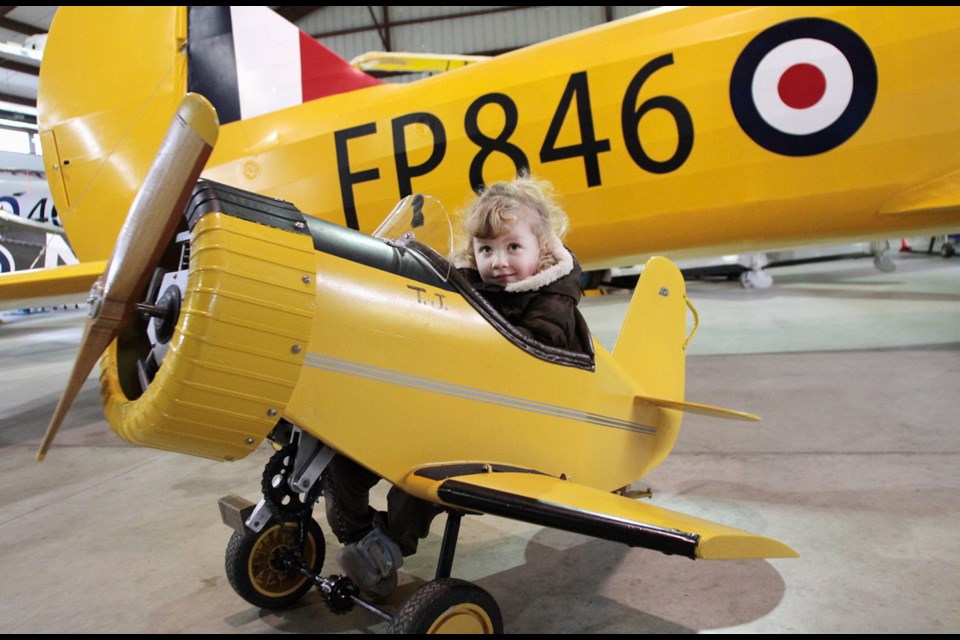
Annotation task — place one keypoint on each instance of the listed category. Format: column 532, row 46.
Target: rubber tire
column 256, row 581
column 448, row 605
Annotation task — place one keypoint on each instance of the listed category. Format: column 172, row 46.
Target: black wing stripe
column 508, row 505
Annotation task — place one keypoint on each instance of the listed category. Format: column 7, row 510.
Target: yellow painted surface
column 430, row 383
column 236, row 353
column 729, row 195
column 102, row 115
column 65, row 279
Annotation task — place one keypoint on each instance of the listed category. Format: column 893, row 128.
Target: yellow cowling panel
column 238, row 347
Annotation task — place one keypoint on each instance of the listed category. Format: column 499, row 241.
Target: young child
column 515, row 257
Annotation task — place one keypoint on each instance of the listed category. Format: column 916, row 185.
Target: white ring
column 835, row 100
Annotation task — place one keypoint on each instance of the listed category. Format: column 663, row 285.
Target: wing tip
column 743, row 547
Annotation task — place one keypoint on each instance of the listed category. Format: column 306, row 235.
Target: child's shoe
column 372, row 564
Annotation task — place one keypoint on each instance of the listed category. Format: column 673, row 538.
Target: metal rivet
column 664, row 292
column 271, row 412
column 306, row 279
column 249, row 440
column 295, row 348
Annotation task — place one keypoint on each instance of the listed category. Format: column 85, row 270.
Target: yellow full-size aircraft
column 251, row 295
column 687, row 132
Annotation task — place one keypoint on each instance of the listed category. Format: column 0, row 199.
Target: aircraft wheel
column 755, row 279
column 254, row 564
column 448, row 605
column 884, row 264
column 947, row 250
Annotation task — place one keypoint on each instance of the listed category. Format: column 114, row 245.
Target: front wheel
column 448, row 605
column 256, row 569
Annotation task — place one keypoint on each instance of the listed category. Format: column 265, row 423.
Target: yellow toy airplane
column 226, row 317
column 694, row 131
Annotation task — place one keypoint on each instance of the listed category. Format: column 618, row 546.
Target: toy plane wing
column 561, row 504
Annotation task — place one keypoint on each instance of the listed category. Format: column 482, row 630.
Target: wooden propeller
column 148, row 229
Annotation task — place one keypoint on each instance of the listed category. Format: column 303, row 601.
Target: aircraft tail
column 113, row 77
column 652, row 343
column 249, row 61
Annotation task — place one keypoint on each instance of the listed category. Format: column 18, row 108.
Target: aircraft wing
column 561, row 504
column 12, row 223
column 38, row 267
column 413, row 62
column 48, row 287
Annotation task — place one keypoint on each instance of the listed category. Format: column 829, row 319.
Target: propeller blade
column 147, row 231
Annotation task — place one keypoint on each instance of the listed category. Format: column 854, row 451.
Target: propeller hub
column 95, row 299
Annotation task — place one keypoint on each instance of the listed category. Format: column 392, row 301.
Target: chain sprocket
column 285, row 503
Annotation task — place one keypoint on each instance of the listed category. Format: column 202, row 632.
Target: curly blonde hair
column 497, row 204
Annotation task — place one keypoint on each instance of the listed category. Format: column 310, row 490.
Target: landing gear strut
column 277, row 550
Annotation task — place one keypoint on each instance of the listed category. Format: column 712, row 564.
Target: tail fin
column 113, row 77
column 652, row 343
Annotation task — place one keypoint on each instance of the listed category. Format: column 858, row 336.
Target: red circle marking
column 802, row 86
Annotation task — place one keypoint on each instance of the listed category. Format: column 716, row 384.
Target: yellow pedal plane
column 225, row 318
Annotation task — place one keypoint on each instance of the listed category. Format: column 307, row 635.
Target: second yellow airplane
column 685, row 132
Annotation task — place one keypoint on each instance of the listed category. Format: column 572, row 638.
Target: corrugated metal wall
column 351, row 31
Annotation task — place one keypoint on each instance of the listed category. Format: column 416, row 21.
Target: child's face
column 513, row 255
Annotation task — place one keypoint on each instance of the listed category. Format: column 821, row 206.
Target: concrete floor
column 856, row 465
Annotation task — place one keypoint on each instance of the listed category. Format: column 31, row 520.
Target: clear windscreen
column 422, row 218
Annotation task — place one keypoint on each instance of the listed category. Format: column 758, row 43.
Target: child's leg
column 346, row 492
column 407, row 520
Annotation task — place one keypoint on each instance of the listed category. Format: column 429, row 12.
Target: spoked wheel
column 448, row 605
column 257, row 566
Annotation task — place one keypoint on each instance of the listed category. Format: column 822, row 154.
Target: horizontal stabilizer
column 703, row 409
column 561, row 504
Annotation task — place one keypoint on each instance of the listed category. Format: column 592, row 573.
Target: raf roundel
column 803, row 87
